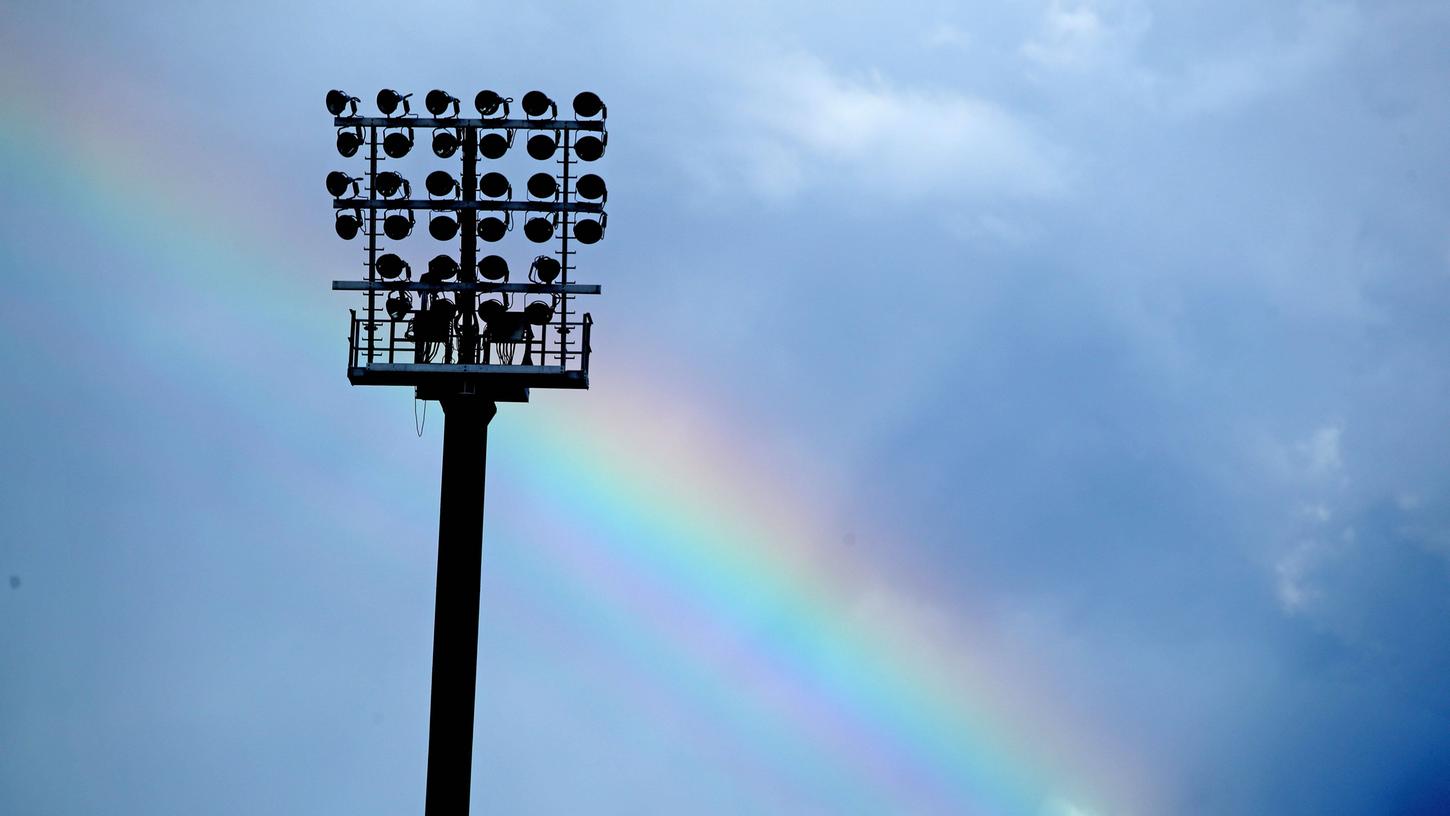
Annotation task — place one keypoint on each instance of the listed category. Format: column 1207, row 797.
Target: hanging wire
column 417, row 424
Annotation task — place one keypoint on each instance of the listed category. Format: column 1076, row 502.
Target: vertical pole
column 468, row 250
column 455, row 619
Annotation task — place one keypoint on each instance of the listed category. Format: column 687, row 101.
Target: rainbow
column 656, row 534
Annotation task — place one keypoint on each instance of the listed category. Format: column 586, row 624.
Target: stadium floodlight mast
column 454, row 333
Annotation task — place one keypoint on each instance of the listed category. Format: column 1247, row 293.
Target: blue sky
column 1110, row 330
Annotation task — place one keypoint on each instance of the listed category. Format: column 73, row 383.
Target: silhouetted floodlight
column 390, row 267
column 443, row 227
column 493, row 267
column 493, row 228
column 543, row 185
column 589, row 148
column 488, row 103
column 445, row 143
column 338, row 183
column 587, row 105
column 348, row 141
column 536, row 104
column 398, row 226
column 590, row 186
column 440, row 269
column 495, row 185
column 539, row 230
column 399, row 304
column 433, row 322
column 438, row 102
column 387, row 184
column 491, row 310
column 348, row 224
column 542, row 146
column 539, row 313
column 546, row 269
column 494, row 145
column 441, row 183
column 589, row 231
column 398, row 143
column 389, row 99
column 339, row 101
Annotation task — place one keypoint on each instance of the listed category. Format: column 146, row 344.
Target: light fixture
column 440, row 269
column 338, row 182
column 539, row 229
column 399, row 304
column 539, row 313
column 493, row 228
column 390, row 267
column 495, row 185
column 445, row 143
column 441, row 183
column 387, row 184
column 494, row 145
column 398, row 143
column 542, row 146
column 398, row 226
column 589, row 231
column 543, row 185
column 438, row 102
column 348, row 224
column 546, row 269
column 443, row 227
column 590, row 148
column 389, row 99
column 590, row 186
column 348, row 141
column 536, row 104
column 493, row 267
column 487, row 103
column 491, row 310
column 434, row 321
column 339, row 101
column 587, row 105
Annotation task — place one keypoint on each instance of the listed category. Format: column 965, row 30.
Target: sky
column 996, row 408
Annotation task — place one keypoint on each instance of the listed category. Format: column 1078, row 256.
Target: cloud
column 810, row 126
column 1081, row 35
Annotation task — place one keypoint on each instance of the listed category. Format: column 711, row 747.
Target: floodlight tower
column 459, row 342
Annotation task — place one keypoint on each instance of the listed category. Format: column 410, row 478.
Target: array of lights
column 465, row 303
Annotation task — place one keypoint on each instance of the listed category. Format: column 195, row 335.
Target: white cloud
column 1320, row 452
column 946, row 35
column 1082, row 35
column 811, row 126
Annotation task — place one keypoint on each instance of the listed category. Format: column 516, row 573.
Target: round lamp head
column 537, row 104
column 399, row 304
column 337, row 183
column 546, row 269
column 539, row 230
column 438, row 102
column 543, row 185
column 445, row 144
column 490, row 310
column 339, row 101
column 492, row 267
column 493, row 145
column 389, row 100
column 590, row 186
column 589, row 148
column 494, row 185
column 348, row 142
column 440, row 183
column 347, row 226
column 542, row 147
column 444, row 310
column 488, row 103
column 588, row 231
column 390, row 266
column 443, row 227
column 398, row 143
column 442, row 267
column 538, row 313
column 398, row 227
column 491, row 228
column 387, row 183
column 587, row 105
